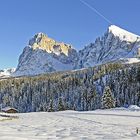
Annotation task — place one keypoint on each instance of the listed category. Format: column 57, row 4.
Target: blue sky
column 69, row 21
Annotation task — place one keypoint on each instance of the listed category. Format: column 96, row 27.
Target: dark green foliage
column 107, row 99
column 138, row 74
column 61, row 106
column 51, row 107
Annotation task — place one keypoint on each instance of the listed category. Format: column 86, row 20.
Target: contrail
column 96, row 11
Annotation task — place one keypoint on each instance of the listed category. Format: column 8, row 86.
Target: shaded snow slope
column 71, row 125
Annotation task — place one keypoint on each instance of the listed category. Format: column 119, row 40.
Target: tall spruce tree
column 51, row 106
column 61, row 106
column 107, row 99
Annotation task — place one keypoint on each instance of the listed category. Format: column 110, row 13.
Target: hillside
column 76, row 90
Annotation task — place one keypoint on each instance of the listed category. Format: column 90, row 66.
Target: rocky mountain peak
column 43, row 42
column 114, row 45
column 123, row 34
column 44, row 54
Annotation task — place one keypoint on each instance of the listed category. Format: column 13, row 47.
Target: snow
column 134, row 108
column 6, row 72
column 130, row 60
column 71, row 125
column 1, row 118
column 41, row 62
column 133, row 60
column 123, row 34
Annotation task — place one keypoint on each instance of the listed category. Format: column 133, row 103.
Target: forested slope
column 74, row 90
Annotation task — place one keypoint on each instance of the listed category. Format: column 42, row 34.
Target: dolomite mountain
column 116, row 44
column 44, row 54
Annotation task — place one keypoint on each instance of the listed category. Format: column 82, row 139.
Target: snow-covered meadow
column 112, row 124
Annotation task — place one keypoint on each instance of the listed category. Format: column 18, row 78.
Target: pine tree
column 107, row 99
column 51, row 107
column 61, row 106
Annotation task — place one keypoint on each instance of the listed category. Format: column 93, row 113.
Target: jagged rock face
column 116, row 44
column 43, row 42
column 43, row 55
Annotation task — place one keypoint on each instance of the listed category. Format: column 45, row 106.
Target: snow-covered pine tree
column 51, row 106
column 107, row 99
column 61, row 106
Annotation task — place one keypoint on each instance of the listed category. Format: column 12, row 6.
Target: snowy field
column 71, row 125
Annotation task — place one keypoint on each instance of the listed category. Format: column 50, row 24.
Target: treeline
column 74, row 90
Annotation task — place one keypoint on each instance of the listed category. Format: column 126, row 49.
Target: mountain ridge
column 43, row 54
column 111, row 46
column 122, row 33
column 42, row 41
